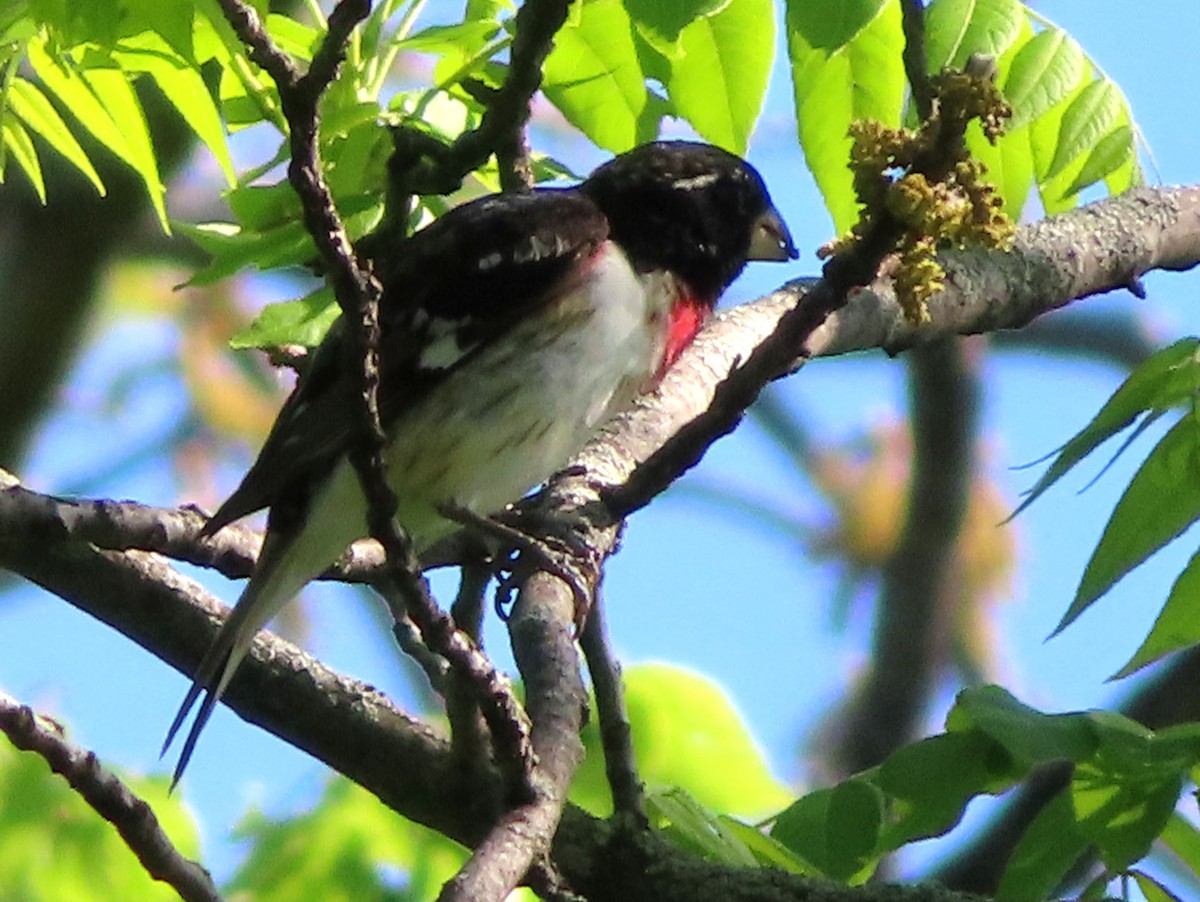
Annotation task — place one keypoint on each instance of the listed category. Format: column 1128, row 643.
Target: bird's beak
column 770, row 238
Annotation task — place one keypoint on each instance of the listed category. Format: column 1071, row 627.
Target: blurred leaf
column 767, row 851
column 719, row 81
column 690, row 826
column 687, row 734
column 18, row 144
column 1030, row 736
column 1152, row 889
column 56, row 847
column 341, row 850
column 1122, row 816
column 842, row 70
column 929, row 783
column 1182, row 839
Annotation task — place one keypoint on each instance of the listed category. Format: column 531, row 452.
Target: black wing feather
column 483, row 266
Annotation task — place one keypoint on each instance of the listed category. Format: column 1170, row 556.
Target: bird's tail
column 283, row 568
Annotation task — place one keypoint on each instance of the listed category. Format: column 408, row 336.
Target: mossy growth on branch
column 927, row 185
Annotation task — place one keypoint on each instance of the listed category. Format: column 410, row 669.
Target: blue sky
column 665, row 604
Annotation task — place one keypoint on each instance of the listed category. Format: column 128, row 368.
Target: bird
column 512, row 328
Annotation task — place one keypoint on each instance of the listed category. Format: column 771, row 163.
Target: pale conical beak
column 770, row 238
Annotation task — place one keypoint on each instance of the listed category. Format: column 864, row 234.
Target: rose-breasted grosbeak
column 512, row 328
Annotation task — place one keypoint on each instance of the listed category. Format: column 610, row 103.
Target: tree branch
column 111, row 799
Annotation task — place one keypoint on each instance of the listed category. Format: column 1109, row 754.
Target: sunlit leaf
column 1044, row 72
column 955, row 29
column 19, row 146
column 662, row 22
column 835, row 85
column 30, row 105
column 594, row 77
column 719, row 82
column 1093, row 113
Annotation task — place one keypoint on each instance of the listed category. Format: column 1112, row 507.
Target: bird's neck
column 687, row 315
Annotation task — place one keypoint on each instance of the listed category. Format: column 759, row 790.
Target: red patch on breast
column 683, row 322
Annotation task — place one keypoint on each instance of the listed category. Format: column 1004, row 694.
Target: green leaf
column 56, row 847
column 1008, row 162
column 1152, row 889
column 835, row 85
column 30, row 105
column 294, row 38
column 594, row 77
column 1044, row 854
column 836, row 830
column 439, row 39
column 341, row 849
column 1110, row 154
column 232, row 249
column 100, row 99
column 1177, row 625
column 184, row 87
column 1161, row 501
column 1028, row 735
column 831, row 26
column 688, row 734
column 1044, row 72
column 1182, row 840
column 955, row 29
column 1123, row 813
column 113, row 89
column 719, row 82
column 172, row 20
column 662, row 22
column 929, row 783
column 303, row 321
column 690, row 826
column 1093, row 113
column 1170, row 377
column 767, row 851
column 18, row 143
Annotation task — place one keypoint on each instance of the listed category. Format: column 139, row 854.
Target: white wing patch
column 444, row 348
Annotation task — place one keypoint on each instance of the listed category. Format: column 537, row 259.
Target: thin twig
column 616, row 734
column 111, row 799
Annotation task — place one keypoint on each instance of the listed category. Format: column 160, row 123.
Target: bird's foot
column 556, row 546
